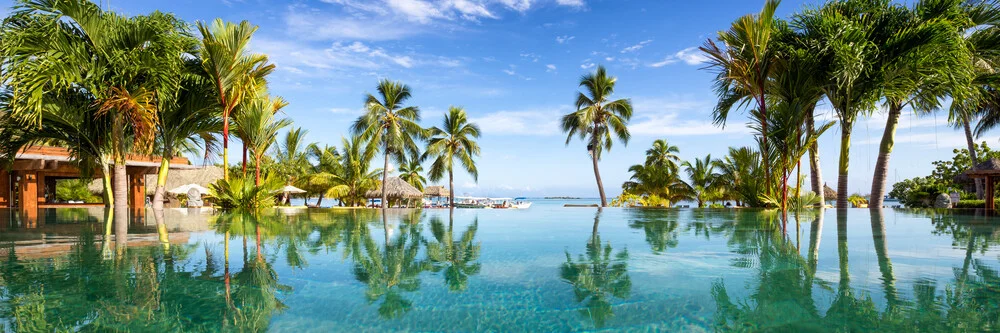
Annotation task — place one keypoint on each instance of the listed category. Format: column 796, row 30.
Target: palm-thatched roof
column 436, row 191
column 201, row 176
column 988, row 167
column 396, row 188
column 828, row 192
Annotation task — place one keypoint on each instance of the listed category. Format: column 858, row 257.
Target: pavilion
column 990, row 172
column 30, row 182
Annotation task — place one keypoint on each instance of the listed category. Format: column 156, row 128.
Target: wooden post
column 990, row 203
column 137, row 191
column 28, row 188
column 4, row 189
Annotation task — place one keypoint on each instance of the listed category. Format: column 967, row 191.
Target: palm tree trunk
column 845, row 273
column 972, row 155
column 451, row 188
column 763, row 133
column 121, row 209
column 161, row 229
column 244, row 159
column 882, row 253
column 597, row 174
column 815, row 174
column 109, row 197
column 884, row 151
column 385, row 178
column 256, row 172
column 225, row 147
column 845, row 162
column 320, row 200
column 161, row 183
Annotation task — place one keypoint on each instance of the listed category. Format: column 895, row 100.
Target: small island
column 562, row 198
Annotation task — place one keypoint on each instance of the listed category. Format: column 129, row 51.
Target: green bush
column 974, row 203
column 242, row 193
column 76, row 190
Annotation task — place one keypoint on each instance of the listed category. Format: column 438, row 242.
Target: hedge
column 974, row 203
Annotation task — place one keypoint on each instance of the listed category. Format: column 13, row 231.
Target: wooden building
column 30, row 182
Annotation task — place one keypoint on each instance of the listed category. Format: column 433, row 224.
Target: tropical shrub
column 857, row 200
column 76, row 190
column 241, row 192
column 974, row 203
column 918, row 192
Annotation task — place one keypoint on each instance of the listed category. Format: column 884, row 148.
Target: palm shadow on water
column 457, row 258
column 782, row 294
column 598, row 277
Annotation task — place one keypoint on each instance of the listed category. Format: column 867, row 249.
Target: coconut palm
column 920, row 79
column 258, row 120
column 389, row 126
column 389, row 270
column 327, row 163
column 292, row 159
column 411, row 174
column 663, row 155
column 741, row 176
column 60, row 46
column 455, row 141
column 596, row 117
column 743, row 65
column 354, row 177
column 703, row 179
column 188, row 120
column 235, row 72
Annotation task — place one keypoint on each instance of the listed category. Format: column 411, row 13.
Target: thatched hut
column 201, row 176
column 436, row 192
column 396, row 189
column 829, row 193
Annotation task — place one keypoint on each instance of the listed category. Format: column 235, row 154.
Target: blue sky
column 514, row 66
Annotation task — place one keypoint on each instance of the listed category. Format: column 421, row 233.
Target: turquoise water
column 546, row 269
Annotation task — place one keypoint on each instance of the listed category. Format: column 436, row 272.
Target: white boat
column 522, row 205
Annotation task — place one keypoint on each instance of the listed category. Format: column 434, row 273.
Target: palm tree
column 596, row 117
column 919, row 79
column 703, row 179
column 327, row 164
column 258, row 120
column 740, row 174
column 188, row 120
column 291, row 157
column 61, row 46
column 235, row 72
column 411, row 174
column 663, row 155
column 744, row 65
column 389, row 126
column 354, row 177
column 455, row 141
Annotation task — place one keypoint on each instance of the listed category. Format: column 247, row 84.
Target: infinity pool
column 546, row 269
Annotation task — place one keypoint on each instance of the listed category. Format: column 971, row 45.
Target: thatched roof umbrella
column 396, row 188
column 435, row 192
column 828, row 192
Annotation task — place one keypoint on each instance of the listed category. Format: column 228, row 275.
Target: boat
column 472, row 202
column 490, row 203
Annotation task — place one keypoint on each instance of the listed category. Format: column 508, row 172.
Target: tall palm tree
column 457, row 140
column 596, row 117
column 292, row 159
column 411, row 174
column 920, row 79
column 744, row 65
column 60, row 46
column 389, row 126
column 258, row 120
column 188, row 119
column 235, row 72
column 703, row 179
column 327, row 163
column 740, row 174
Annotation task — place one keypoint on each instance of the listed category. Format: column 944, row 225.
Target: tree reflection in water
column 597, row 276
column 781, row 297
column 457, row 258
column 389, row 269
column 659, row 225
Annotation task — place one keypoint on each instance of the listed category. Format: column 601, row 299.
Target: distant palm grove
column 106, row 86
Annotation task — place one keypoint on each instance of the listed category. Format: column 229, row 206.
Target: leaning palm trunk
column 161, row 229
column 121, row 209
column 385, row 178
column 451, row 188
column 882, row 253
column 600, row 185
column 161, row 183
column 815, row 174
column 109, row 198
column 972, row 155
column 845, row 162
column 884, row 151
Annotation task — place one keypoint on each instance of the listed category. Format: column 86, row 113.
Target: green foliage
column 657, row 182
column 973, row 203
column 241, row 192
column 857, row 200
column 76, row 190
column 945, row 171
column 918, row 192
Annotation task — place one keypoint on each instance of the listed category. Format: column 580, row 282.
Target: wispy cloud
column 550, row 68
column 571, row 3
column 675, row 116
column 637, row 47
column 538, row 121
column 587, row 65
column 564, row 39
column 301, row 58
column 690, row 56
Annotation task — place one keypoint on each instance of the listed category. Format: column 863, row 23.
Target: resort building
column 30, row 181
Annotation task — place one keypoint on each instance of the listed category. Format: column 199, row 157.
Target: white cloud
column 539, row 121
column 637, row 47
column 303, row 23
column 550, row 68
column 571, row 3
column 301, row 58
column 676, row 116
column 588, row 65
column 609, row 58
column 564, row 39
column 518, row 5
column 690, row 56
column 416, row 10
column 509, row 71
